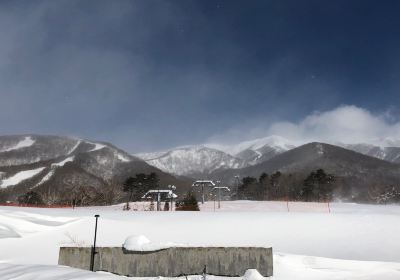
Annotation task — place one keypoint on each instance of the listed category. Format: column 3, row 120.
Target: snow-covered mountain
column 53, row 163
column 192, row 160
column 358, row 176
column 30, row 149
column 257, row 150
column 207, row 158
column 204, row 159
column 387, row 153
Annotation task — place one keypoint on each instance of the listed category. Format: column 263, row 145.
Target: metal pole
column 94, row 244
column 172, row 200
column 214, row 201
column 219, row 198
column 158, row 201
column 202, row 193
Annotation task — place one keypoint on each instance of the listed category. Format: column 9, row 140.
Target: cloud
column 345, row 124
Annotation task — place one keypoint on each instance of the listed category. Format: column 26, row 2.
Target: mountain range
column 202, row 160
column 55, row 165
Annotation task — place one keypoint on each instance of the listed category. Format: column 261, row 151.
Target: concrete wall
column 171, row 262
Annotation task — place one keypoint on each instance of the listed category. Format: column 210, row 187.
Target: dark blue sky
column 148, row 75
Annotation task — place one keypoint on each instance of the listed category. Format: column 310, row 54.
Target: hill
column 356, row 173
column 54, row 165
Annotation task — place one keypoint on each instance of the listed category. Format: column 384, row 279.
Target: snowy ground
column 349, row 242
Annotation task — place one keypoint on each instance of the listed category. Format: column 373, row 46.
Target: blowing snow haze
column 153, row 75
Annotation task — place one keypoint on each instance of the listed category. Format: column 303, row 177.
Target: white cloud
column 346, row 124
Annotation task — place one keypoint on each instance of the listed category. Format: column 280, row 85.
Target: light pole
column 94, row 245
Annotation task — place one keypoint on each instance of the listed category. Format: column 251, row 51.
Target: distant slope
column 192, row 160
column 391, row 154
column 357, row 171
column 310, row 156
column 257, row 150
column 53, row 163
column 199, row 161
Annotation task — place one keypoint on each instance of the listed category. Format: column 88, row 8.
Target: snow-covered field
column 349, row 242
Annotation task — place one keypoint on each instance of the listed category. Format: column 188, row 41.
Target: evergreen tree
column 275, row 184
column 318, row 186
column 308, row 187
column 249, row 189
column 129, row 186
column 189, row 203
column 263, row 177
column 264, row 185
column 31, row 197
column 153, row 182
column 138, row 185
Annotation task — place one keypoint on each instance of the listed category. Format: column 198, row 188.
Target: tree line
column 131, row 189
column 316, row 186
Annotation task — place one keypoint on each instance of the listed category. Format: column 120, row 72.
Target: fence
column 15, row 204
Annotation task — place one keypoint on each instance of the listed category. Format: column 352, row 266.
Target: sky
column 148, row 75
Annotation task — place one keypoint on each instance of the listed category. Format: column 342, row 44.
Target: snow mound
column 19, row 224
column 20, row 176
column 26, row 142
column 252, row 274
column 51, row 272
column 142, row 243
column 136, row 243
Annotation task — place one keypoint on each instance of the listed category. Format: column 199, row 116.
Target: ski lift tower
column 160, row 194
column 219, row 194
column 172, row 188
column 203, row 184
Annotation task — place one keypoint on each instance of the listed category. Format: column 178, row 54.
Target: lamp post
column 94, row 245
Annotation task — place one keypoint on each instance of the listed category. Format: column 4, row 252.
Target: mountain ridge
column 253, row 152
column 49, row 163
column 356, row 174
